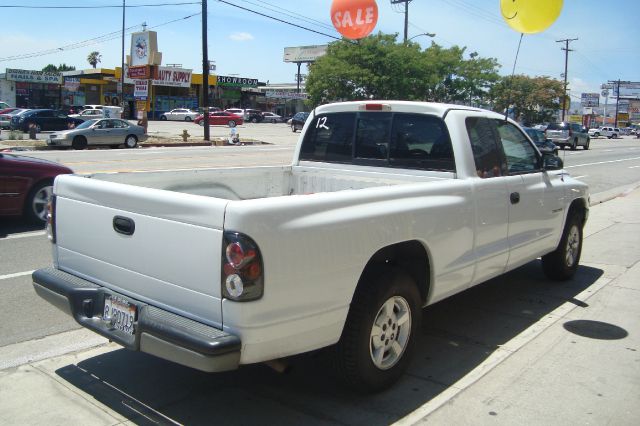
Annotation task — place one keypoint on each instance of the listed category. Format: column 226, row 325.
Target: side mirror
column 551, row 162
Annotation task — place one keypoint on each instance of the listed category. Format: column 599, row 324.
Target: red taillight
column 242, row 271
column 51, row 219
column 375, row 107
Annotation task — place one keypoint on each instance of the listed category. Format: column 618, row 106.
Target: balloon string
column 517, row 53
column 513, row 71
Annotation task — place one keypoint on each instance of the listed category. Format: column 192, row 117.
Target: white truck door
column 535, row 215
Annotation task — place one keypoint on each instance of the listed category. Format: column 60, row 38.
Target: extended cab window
column 402, row 140
column 484, row 144
column 520, row 154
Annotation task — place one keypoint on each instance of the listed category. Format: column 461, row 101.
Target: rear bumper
column 156, row 331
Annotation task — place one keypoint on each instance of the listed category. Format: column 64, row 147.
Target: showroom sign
column 228, row 81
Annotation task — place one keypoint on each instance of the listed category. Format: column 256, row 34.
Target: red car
column 26, row 185
column 220, row 118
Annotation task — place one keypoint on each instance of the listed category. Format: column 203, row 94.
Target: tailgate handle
column 124, row 225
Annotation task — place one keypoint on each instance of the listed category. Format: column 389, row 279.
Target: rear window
column 402, row 140
column 558, row 126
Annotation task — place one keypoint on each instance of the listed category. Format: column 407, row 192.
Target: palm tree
column 94, row 58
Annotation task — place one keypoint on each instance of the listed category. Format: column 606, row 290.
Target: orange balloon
column 354, row 19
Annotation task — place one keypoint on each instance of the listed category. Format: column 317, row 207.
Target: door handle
column 514, row 197
column 124, row 225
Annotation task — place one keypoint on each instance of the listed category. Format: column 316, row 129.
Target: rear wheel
column 187, row 118
column 562, row 263
column 232, row 123
column 380, row 333
column 293, row 128
column 163, row 118
column 586, row 145
column 35, row 208
column 574, row 145
column 131, row 141
column 79, row 142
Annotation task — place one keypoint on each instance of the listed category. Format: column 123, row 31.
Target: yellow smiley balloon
column 530, row 16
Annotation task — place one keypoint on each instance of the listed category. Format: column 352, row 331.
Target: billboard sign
column 627, row 90
column 281, row 94
column 590, row 99
column 304, row 53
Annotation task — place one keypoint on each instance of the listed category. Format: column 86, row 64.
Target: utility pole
column 205, row 72
column 566, row 49
column 406, row 16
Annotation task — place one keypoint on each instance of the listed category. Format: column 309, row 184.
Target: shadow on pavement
column 11, row 225
column 458, row 334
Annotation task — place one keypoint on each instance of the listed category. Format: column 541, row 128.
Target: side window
column 484, row 145
column 372, row 136
column 520, row 154
column 45, row 114
column 420, row 141
column 329, row 138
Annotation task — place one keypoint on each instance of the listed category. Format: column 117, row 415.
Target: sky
column 249, row 44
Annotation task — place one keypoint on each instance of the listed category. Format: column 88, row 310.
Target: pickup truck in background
column 388, row 207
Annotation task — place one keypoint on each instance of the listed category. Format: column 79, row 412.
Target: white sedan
column 179, row 114
column 270, row 117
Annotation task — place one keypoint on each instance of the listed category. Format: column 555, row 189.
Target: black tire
column 232, row 123
column 201, row 123
column 586, row 146
column 562, row 263
column 79, row 142
column 355, row 359
column 254, row 120
column 596, row 135
column 293, row 128
column 35, row 206
column 131, row 141
column 163, row 118
column 187, row 118
column 574, row 145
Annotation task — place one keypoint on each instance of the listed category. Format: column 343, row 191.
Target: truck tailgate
column 172, row 257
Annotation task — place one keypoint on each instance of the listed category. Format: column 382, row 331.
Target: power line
column 89, row 42
column 97, row 7
column 278, row 19
column 291, row 14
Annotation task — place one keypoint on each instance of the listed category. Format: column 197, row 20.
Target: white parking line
column 603, row 162
column 17, row 274
column 580, row 177
column 634, row 167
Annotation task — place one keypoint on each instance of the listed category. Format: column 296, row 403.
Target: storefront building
column 34, row 89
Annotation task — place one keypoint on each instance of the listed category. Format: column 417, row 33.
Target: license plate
column 119, row 313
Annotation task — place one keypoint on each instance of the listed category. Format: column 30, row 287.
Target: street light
column 422, row 34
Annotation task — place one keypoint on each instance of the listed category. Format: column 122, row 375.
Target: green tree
column 534, row 99
column 59, row 68
column 93, row 58
column 378, row 67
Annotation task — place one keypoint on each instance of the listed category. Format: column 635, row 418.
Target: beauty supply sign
column 173, row 77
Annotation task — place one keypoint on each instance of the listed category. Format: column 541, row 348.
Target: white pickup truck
column 388, row 207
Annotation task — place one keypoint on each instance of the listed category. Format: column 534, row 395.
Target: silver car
column 107, row 131
column 179, row 114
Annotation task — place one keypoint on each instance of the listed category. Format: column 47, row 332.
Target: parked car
column 568, row 134
column 106, row 131
column 270, row 117
column 221, row 118
column 92, row 106
column 43, row 119
column 27, row 185
column 298, row 120
column 179, row 114
column 610, row 132
column 4, row 105
column 253, row 115
column 89, row 114
column 235, row 111
column 6, row 114
column 595, row 132
column 543, row 144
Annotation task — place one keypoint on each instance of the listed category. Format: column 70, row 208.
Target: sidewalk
column 576, row 360
column 582, row 369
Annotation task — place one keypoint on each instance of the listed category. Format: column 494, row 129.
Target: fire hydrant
column 185, row 135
